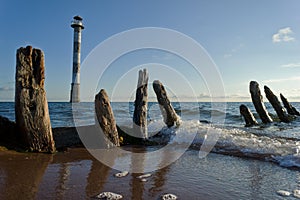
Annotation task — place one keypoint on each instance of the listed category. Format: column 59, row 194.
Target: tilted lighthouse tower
column 75, row 85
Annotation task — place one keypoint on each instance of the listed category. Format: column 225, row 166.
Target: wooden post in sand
column 248, row 116
column 141, row 106
column 167, row 110
column 31, row 106
column 283, row 116
column 105, row 118
column 257, row 100
column 290, row 109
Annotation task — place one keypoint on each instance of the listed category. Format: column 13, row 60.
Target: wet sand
column 77, row 175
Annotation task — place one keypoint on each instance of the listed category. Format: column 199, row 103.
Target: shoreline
column 67, row 138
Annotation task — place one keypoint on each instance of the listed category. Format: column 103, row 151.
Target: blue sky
column 248, row 40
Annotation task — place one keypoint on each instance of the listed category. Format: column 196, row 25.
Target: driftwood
column 257, row 100
column 261, row 110
column 105, row 118
column 290, row 109
column 31, row 106
column 141, row 106
column 283, row 116
column 248, row 116
column 167, row 110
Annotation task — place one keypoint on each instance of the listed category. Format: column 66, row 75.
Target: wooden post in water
column 283, row 116
column 141, row 106
column 257, row 100
column 290, row 109
column 31, row 106
column 167, row 110
column 248, row 116
column 105, row 118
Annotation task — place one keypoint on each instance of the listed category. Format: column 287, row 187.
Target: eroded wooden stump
column 141, row 106
column 105, row 118
column 290, row 109
column 248, row 116
column 283, row 116
column 31, row 106
column 167, row 110
column 257, row 100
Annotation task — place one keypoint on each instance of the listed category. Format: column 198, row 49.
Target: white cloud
column 238, row 98
column 233, row 51
column 295, row 78
column 291, row 65
column 7, row 86
column 227, row 55
column 163, row 56
column 283, row 35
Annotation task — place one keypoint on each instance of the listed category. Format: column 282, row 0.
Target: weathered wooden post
column 167, row 110
column 105, row 118
column 248, row 116
column 257, row 100
column 290, row 109
column 283, row 116
column 141, row 106
column 31, row 106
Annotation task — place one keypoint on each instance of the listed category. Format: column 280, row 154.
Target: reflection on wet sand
column 64, row 175
column 73, row 174
column 21, row 176
column 97, row 178
column 256, row 179
column 160, row 175
column 153, row 187
column 137, row 165
column 43, row 176
column 77, row 175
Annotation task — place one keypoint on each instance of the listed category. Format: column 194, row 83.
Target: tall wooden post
column 248, row 116
column 31, row 106
column 141, row 106
column 283, row 116
column 105, row 118
column 167, row 110
column 290, row 109
column 257, row 100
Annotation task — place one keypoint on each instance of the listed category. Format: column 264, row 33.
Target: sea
column 242, row 163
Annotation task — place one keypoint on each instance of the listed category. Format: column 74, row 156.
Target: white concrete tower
column 75, row 85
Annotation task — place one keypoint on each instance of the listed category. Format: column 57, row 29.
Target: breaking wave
column 243, row 142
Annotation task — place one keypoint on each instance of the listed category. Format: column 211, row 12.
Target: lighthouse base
column 75, row 93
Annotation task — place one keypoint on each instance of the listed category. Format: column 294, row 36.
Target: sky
column 246, row 40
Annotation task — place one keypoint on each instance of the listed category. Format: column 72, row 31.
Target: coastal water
column 61, row 114
column 266, row 159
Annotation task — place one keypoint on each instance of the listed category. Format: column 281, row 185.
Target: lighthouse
column 75, row 85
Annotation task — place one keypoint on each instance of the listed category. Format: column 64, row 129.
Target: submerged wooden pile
column 257, row 100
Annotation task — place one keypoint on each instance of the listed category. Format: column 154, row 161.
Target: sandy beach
column 75, row 174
